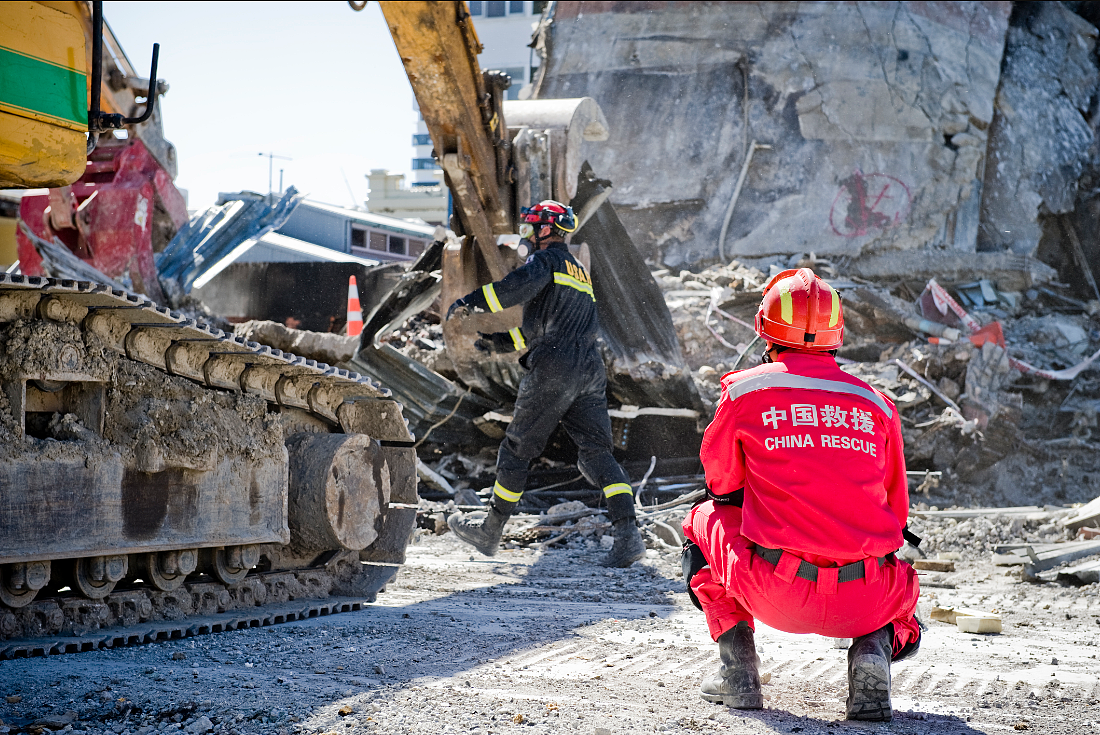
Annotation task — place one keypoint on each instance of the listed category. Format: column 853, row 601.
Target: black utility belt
column 808, row 571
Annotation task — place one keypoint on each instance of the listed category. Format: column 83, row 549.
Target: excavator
column 148, row 455
column 154, row 467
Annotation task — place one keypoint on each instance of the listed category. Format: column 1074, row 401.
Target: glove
column 496, row 342
column 460, row 309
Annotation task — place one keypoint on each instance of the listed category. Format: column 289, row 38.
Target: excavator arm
column 438, row 47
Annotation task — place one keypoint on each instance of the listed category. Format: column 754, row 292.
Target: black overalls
column 566, row 380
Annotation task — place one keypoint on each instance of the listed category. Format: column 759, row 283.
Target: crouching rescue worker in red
column 807, row 501
column 565, row 381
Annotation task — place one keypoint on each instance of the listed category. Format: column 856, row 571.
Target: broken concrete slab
column 1088, row 514
column 876, row 114
column 1041, row 557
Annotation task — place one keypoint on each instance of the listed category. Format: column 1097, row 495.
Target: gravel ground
column 547, row 642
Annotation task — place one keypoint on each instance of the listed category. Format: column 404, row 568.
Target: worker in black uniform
column 566, row 382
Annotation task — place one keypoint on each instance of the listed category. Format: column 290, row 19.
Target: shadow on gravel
column 549, row 601
column 903, row 722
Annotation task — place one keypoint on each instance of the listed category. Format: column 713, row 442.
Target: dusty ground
column 547, row 642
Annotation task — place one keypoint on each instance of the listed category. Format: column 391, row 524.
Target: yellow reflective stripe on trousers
column 564, row 279
column 517, row 338
column 505, row 494
column 617, row 489
column 491, row 298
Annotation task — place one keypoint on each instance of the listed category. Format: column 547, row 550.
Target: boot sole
column 870, row 696
column 737, row 701
column 491, row 551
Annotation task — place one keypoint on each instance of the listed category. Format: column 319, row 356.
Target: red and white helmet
column 802, row 311
column 548, row 212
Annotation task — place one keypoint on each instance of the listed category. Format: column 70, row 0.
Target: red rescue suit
column 814, row 456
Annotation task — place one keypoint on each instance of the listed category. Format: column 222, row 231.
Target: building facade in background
column 362, row 234
column 389, row 196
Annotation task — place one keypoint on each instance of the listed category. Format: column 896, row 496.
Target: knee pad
column 691, row 561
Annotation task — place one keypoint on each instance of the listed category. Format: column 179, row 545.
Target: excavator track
column 162, row 478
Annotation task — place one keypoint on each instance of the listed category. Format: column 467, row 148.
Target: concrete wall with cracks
column 1040, row 140
column 877, row 114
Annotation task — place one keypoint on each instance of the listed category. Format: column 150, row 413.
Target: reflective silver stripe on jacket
column 786, row 380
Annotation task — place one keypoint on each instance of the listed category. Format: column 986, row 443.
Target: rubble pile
column 421, row 339
column 976, row 538
column 998, row 417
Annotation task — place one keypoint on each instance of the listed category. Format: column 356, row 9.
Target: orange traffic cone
column 355, row 314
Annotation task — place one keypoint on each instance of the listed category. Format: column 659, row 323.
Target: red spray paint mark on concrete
column 868, row 202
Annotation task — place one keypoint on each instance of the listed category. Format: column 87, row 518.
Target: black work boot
column 628, row 547
column 869, row 676
column 479, row 528
column 737, row 683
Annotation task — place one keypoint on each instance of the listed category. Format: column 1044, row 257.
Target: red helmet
column 802, row 311
column 550, row 212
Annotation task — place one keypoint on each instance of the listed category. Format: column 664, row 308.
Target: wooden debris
column 968, row 620
column 934, row 565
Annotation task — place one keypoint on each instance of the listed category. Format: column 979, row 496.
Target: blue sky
column 316, row 82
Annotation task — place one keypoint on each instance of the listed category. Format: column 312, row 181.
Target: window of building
column 515, row 6
column 424, row 164
column 422, row 139
column 416, row 247
column 378, row 241
column 358, row 238
column 397, row 245
column 516, row 72
column 475, row 7
column 495, row 8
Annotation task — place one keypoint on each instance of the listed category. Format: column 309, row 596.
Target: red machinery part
column 108, row 217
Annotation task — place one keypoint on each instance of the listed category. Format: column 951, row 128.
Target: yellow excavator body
column 43, row 96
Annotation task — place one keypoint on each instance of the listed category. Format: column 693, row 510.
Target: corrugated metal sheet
column 213, row 239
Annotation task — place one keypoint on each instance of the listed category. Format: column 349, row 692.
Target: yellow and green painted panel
column 43, row 96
